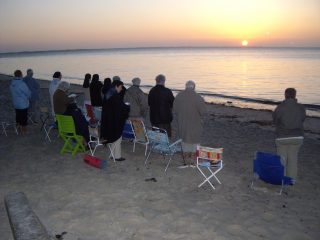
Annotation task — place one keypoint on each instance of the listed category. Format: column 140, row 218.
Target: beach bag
column 95, row 162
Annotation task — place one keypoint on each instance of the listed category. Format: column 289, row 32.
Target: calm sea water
column 247, row 77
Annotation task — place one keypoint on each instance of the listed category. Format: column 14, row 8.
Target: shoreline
column 259, row 117
column 313, row 110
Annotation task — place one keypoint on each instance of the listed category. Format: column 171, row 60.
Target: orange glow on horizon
column 103, row 24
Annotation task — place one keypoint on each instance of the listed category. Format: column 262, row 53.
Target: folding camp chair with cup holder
column 211, row 160
column 268, row 168
column 73, row 143
column 159, row 143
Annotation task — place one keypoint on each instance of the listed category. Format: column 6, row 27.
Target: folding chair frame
column 168, row 149
column 284, row 181
column 146, row 143
column 68, row 133
column 5, row 125
column 209, row 163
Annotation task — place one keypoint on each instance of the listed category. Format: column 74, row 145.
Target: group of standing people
column 119, row 104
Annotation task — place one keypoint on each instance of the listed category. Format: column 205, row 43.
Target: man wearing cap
column 137, row 100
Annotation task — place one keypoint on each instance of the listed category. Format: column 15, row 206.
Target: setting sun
column 244, row 43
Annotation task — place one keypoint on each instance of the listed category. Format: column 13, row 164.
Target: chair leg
column 145, row 151
column 134, row 146
column 207, row 179
column 214, row 174
column 168, row 164
column 111, row 151
column 67, row 147
column 145, row 162
column 4, row 126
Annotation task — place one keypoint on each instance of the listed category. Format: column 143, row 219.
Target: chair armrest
column 175, row 143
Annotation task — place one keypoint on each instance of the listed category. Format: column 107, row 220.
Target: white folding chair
column 5, row 125
column 96, row 142
column 140, row 134
column 211, row 160
column 47, row 122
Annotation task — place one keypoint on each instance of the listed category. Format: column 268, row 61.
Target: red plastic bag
column 95, row 162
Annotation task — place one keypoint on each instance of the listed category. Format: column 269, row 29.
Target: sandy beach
column 117, row 203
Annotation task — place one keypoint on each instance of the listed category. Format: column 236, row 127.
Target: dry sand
column 117, row 203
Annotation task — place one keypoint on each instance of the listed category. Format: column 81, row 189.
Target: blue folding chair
column 268, row 168
column 159, row 142
column 128, row 133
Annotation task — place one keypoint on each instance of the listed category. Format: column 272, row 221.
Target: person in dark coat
column 113, row 118
column 95, row 91
column 86, row 88
column 160, row 100
column 123, row 90
column 106, row 87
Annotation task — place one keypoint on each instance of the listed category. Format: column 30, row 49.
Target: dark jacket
column 80, row 121
column 160, row 100
column 288, row 118
column 95, row 93
column 113, row 116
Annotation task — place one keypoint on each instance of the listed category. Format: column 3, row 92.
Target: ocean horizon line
column 14, row 53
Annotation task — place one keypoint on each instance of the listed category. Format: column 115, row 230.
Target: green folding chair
column 73, row 143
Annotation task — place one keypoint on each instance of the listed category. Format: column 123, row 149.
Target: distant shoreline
column 80, row 50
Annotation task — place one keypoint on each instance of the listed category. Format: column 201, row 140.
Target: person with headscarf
column 95, row 91
column 105, row 88
column 86, row 88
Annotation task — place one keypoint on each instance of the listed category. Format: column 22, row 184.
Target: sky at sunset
column 27, row 25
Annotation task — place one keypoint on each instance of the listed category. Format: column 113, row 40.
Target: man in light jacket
column 288, row 118
column 137, row 100
column 53, row 87
column 189, row 108
column 20, row 96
